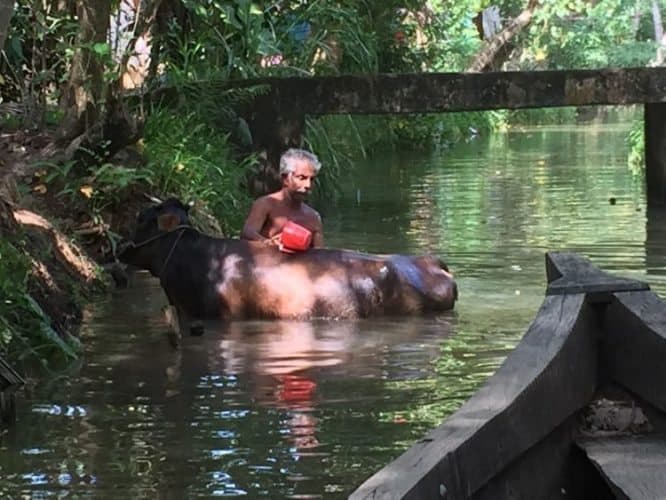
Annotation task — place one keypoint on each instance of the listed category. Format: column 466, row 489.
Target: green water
column 311, row 409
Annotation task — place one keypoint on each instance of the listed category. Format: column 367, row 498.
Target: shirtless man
column 269, row 214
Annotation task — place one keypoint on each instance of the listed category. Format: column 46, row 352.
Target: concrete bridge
column 277, row 116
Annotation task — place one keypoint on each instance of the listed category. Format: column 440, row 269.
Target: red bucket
column 295, row 238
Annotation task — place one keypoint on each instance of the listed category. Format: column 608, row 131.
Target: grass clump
column 187, row 157
column 26, row 333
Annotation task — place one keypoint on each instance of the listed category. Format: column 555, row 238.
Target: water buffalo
column 212, row 278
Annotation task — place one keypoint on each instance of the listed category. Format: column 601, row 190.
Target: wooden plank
column 7, row 407
column 8, row 376
column 634, row 467
column 554, row 468
column 444, row 92
column 634, row 347
column 9, row 382
column 549, row 376
column 571, row 273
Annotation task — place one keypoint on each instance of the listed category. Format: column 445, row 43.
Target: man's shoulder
column 267, row 199
column 313, row 216
column 311, row 211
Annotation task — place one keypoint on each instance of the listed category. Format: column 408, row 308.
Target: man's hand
column 273, row 240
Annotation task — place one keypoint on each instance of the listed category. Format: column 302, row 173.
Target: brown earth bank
column 71, row 251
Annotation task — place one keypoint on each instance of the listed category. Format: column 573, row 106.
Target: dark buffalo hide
column 211, row 278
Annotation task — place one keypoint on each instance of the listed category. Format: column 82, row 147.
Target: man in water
column 270, row 213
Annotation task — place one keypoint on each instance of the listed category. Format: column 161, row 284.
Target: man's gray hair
column 287, row 160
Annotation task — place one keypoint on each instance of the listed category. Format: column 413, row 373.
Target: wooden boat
column 576, row 411
column 9, row 382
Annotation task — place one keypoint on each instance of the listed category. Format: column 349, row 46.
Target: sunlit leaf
column 86, row 190
column 40, row 188
column 101, row 49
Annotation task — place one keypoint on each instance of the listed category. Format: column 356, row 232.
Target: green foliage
column 336, row 140
column 189, row 158
column 442, row 130
column 578, row 34
column 340, row 38
column 242, row 39
column 103, row 186
column 25, row 330
column 37, row 52
column 544, row 116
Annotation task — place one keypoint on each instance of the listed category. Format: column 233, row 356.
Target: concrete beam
column 443, row 92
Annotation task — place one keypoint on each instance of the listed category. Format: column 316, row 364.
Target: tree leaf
column 101, row 49
column 86, row 190
column 46, row 329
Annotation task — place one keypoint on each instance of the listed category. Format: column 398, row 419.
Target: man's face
column 301, row 180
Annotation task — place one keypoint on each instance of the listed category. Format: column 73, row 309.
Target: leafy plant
column 25, row 330
column 103, row 186
column 187, row 157
column 542, row 116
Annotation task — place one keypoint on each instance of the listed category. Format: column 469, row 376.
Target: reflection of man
column 270, row 213
column 295, row 392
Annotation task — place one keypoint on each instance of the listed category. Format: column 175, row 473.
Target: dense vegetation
column 67, row 68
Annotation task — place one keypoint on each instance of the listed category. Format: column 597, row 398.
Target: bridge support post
column 274, row 130
column 655, row 152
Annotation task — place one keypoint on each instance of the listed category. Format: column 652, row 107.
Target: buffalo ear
column 167, row 222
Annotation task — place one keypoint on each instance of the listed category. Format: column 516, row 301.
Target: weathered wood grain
column 548, row 377
column 495, row 446
column 8, row 376
column 634, row 467
column 9, row 382
column 634, row 346
column 553, row 469
column 570, row 273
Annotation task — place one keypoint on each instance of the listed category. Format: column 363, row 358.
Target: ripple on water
column 270, row 409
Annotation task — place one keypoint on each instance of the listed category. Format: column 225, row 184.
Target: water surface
column 310, row 409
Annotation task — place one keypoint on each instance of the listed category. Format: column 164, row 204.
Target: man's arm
column 318, row 233
column 255, row 221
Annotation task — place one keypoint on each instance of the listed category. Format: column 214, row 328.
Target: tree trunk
column 484, row 59
column 656, row 19
column 82, row 100
column 658, row 33
column 136, row 60
column 636, row 18
column 6, row 11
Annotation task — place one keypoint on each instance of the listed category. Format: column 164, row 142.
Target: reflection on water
column 293, row 409
column 255, row 408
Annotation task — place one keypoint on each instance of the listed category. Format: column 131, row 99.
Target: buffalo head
column 142, row 249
